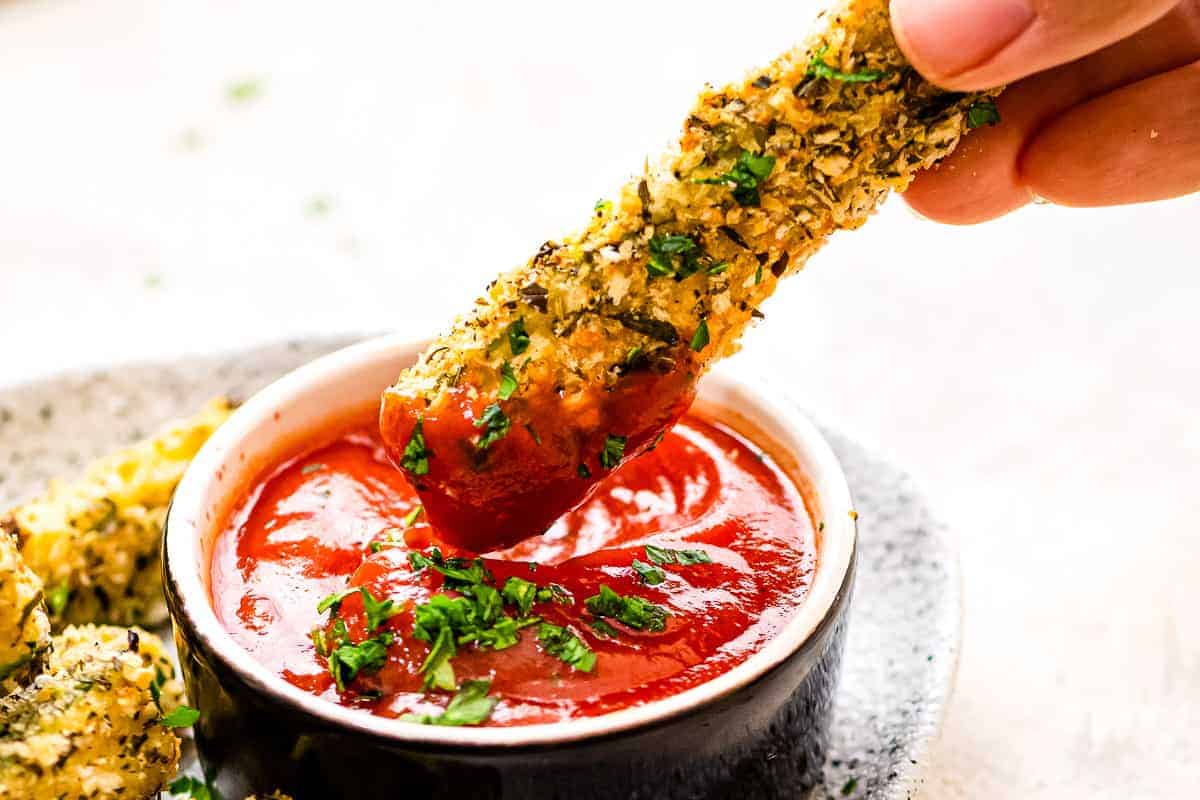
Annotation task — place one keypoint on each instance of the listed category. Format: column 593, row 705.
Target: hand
column 1103, row 106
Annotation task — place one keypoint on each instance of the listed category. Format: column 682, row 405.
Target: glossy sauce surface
column 305, row 530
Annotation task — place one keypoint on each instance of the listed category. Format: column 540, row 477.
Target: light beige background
column 1039, row 375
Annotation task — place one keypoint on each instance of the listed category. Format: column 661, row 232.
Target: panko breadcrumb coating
column 582, row 357
column 88, row 726
column 24, row 628
column 95, row 541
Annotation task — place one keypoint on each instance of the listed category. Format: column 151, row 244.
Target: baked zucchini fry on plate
column 95, row 541
column 24, row 628
column 90, row 725
column 584, row 356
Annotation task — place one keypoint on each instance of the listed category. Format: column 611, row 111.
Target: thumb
column 979, row 44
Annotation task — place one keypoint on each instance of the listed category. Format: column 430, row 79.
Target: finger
column 1137, row 144
column 977, row 44
column 980, row 181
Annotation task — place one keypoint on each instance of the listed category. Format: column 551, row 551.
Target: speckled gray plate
column 904, row 633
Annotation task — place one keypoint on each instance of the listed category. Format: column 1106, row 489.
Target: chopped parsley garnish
column 495, row 426
column 348, row 660
column 416, row 456
column 817, row 68
column 673, row 254
column 684, row 558
column 181, row 717
column 470, row 706
column 520, row 593
column 475, row 617
column 758, row 275
column 849, row 786
column 602, row 206
column 436, row 669
column 459, row 572
column 650, row 575
column 567, row 647
column 746, row 176
column 192, row 788
column 613, row 452
column 602, row 628
column 700, row 337
column 639, row 614
column 583, row 472
column 57, row 598
column 508, row 381
column 718, row 268
column 983, row 113
column 378, row 611
column 411, row 517
column 333, row 602
column 309, row 469
column 518, row 339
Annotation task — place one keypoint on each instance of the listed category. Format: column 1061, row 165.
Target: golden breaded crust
column 88, row 726
column 24, row 627
column 95, row 541
column 846, row 120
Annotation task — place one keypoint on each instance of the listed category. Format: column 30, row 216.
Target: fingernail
column 946, row 38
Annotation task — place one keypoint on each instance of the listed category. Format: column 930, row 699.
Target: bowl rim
column 754, row 400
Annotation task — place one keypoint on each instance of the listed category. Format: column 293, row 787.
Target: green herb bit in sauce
column 639, row 614
column 458, row 572
column 438, row 672
column 583, row 472
column 495, row 424
column 470, row 706
column 553, row 593
column 309, row 469
column 983, row 113
column 415, row 459
column 348, row 660
column 650, row 575
column 700, row 338
column 567, row 647
column 746, row 176
column 684, row 558
column 508, row 381
column 378, row 611
column 333, row 602
column 819, row 69
column 520, row 593
column 518, row 338
column 602, row 628
column 613, row 452
column 181, row 717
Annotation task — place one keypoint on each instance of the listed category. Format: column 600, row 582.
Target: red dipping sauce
column 335, row 517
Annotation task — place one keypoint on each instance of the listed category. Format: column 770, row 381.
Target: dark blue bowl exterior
column 765, row 740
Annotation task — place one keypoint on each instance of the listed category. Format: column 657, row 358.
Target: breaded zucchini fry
column 95, row 541
column 24, row 628
column 584, row 356
column 88, row 727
